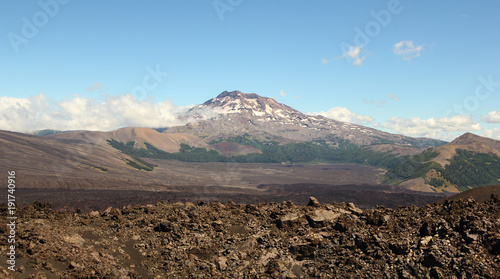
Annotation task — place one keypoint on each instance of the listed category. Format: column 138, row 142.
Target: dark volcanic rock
column 456, row 239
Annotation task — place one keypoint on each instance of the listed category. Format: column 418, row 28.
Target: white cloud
column 325, row 61
column 407, row 50
column 282, row 93
column 38, row 112
column 345, row 115
column 432, row 127
column 354, row 54
column 492, row 117
column 492, row 133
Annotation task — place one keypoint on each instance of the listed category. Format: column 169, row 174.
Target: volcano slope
column 455, row 239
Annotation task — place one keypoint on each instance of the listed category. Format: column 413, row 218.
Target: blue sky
column 419, row 68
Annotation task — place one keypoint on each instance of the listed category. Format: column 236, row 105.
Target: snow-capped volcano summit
column 249, row 104
column 236, row 113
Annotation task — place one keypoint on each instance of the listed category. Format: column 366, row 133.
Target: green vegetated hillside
column 412, row 167
column 272, row 152
column 128, row 148
column 465, row 170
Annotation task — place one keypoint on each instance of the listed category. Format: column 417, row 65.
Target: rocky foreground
column 456, row 239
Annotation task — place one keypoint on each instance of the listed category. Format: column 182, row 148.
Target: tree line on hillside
column 473, row 169
column 272, row 152
column 466, row 169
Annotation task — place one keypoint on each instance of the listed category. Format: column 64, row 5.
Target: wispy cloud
column 94, row 86
column 407, row 50
column 325, row 61
column 432, row 127
column 492, row 117
column 39, row 112
column 393, row 97
column 354, row 54
column 382, row 103
column 282, row 93
column 345, row 115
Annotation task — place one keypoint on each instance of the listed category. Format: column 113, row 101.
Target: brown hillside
column 39, row 156
column 169, row 142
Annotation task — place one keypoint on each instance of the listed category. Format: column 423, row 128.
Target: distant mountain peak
column 469, row 138
column 477, row 143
